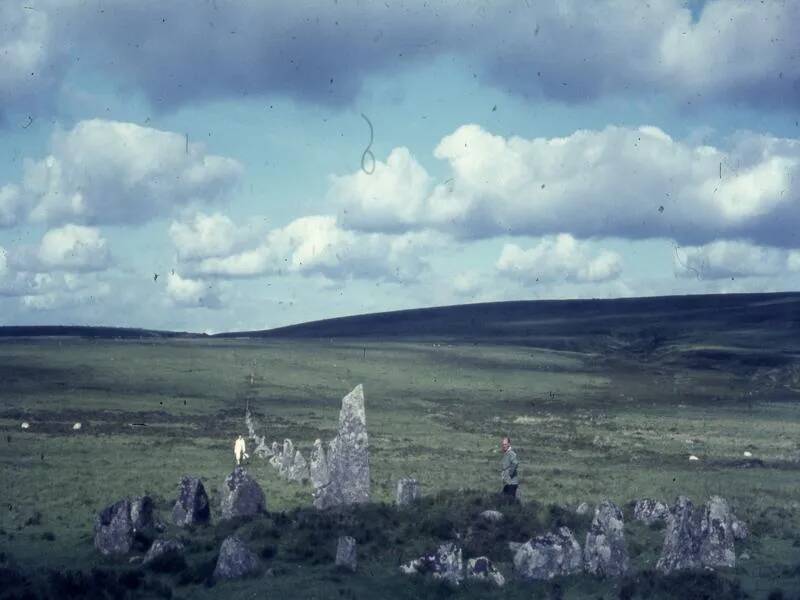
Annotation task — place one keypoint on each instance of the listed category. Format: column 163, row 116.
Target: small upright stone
column 299, row 469
column 287, row 457
column 241, row 495
column 407, row 491
column 319, row 466
column 346, row 553
column 605, row 553
column 682, row 538
column 717, row 535
column 235, row 560
column 450, row 564
column 191, row 507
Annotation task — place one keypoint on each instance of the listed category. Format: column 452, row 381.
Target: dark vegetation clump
column 169, row 562
column 688, row 585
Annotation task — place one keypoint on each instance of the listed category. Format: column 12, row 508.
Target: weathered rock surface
column 716, row 534
column 116, row 526
column 740, row 530
column 241, row 495
column 235, row 560
column 299, row 469
column 650, row 511
column 191, row 507
column 605, row 553
column 408, row 491
column 446, row 564
column 493, row 516
column 318, row 469
column 682, row 538
column 287, row 457
column 346, row 553
column 161, row 548
column 549, row 555
column 348, row 457
column 481, row 568
column 583, row 508
column 262, row 450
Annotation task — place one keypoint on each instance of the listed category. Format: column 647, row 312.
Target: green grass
column 587, row 426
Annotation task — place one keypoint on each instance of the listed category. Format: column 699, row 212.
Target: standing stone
column 348, row 457
column 717, row 535
column 549, row 555
column 319, row 466
column 407, row 491
column 299, row 469
column 682, row 538
column 235, row 560
column 241, row 495
column 346, row 553
column 116, row 526
column 262, row 450
column 650, row 511
column 287, row 458
column 191, row 507
column 605, row 553
column 482, row 569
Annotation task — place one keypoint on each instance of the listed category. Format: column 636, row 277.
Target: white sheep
column 693, row 457
column 25, row 425
column 748, row 454
column 76, row 426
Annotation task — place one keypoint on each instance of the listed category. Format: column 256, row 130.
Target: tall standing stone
column 191, row 507
column 348, row 457
column 287, row 457
column 407, row 491
column 605, row 553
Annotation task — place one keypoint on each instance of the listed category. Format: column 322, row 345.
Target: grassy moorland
column 603, row 399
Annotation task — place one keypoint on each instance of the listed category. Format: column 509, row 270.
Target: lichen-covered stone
column 191, row 507
column 241, row 495
column 605, row 553
column 346, row 553
column 549, row 555
column 650, row 511
column 717, row 536
column 408, row 491
column 482, row 569
column 681, row 548
column 235, row 560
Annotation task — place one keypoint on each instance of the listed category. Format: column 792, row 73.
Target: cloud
column 191, row 293
column 629, row 182
column 103, row 172
column 725, row 259
column 205, row 236
column 74, row 248
column 317, row 245
column 181, row 52
column 558, row 258
column 11, row 205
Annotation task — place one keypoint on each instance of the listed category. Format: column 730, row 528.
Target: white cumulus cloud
column 74, row 248
column 725, row 259
column 191, row 293
column 558, row 258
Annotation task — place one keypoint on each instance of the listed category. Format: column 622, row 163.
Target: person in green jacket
column 509, row 467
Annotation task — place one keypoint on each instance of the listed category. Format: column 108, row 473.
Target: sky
column 227, row 165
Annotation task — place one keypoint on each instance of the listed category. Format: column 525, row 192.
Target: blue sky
column 522, row 150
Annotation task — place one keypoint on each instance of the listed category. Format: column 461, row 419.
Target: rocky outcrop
column 347, row 457
column 116, row 526
column 241, row 495
column 191, row 507
column 446, row 564
column 605, row 553
column 549, row 555
column 346, row 553
column 650, row 511
column 408, row 491
column 235, row 560
column 482, row 569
